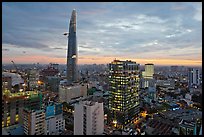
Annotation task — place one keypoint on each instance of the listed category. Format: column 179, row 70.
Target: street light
column 115, row 123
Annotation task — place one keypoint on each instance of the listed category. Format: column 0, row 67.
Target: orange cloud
column 99, row 60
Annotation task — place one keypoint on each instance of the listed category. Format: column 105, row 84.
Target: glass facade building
column 72, row 56
column 124, row 87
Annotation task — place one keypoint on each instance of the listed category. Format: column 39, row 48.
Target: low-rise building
column 166, row 83
column 66, row 93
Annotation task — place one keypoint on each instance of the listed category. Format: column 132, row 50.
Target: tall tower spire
column 72, row 56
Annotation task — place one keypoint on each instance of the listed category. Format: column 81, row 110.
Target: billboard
column 50, row 111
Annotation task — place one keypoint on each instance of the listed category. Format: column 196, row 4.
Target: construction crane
column 15, row 66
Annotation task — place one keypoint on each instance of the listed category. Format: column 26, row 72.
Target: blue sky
column 132, row 30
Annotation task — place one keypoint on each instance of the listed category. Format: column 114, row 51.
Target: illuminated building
column 34, row 122
column 88, row 118
column 72, row 57
column 193, row 77
column 14, row 103
column 149, row 71
column 147, row 76
column 124, row 88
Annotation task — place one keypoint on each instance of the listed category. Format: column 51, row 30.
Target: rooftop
column 13, row 130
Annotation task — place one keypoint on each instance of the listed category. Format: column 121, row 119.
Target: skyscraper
column 72, row 56
column 124, row 88
column 193, row 77
column 149, row 71
column 147, row 80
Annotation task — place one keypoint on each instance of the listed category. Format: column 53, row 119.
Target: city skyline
column 170, row 37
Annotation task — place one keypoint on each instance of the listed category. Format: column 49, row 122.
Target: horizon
column 34, row 32
column 105, row 64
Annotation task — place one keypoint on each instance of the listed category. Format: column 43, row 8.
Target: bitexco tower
column 72, row 56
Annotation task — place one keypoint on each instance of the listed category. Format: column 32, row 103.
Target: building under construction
column 14, row 103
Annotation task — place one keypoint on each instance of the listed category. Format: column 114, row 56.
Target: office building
column 124, row 91
column 149, row 71
column 72, row 57
column 88, row 118
column 193, row 77
column 34, row 122
column 147, row 76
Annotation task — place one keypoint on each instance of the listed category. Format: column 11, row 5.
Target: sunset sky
column 149, row 32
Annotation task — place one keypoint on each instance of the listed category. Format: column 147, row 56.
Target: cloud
column 5, row 49
column 198, row 12
column 139, row 30
column 85, row 47
column 60, row 48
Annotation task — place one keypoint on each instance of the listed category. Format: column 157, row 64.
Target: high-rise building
column 193, row 77
column 124, row 91
column 72, row 57
column 147, row 76
column 149, row 71
column 55, row 123
column 34, row 122
column 89, row 118
column 33, row 77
